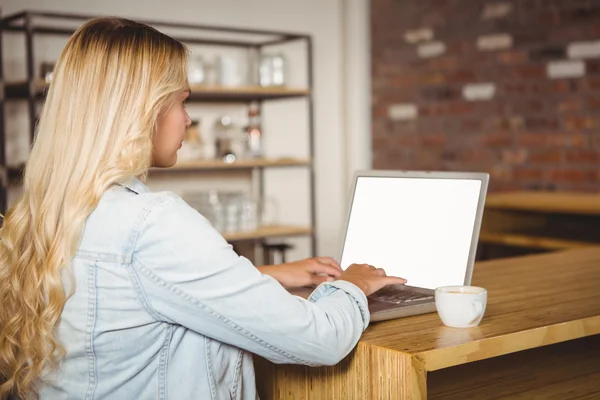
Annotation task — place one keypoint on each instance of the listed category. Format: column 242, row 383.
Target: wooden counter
column 534, row 301
column 518, row 223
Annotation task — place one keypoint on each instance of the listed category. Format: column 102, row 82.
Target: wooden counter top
column 557, row 202
column 532, row 301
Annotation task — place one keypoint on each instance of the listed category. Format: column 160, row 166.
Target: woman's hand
column 368, row 278
column 308, row 272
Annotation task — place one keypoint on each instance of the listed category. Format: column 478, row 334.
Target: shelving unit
column 32, row 90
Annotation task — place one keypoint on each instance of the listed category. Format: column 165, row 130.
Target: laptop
column 419, row 225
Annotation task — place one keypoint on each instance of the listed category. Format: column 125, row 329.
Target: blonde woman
column 109, row 291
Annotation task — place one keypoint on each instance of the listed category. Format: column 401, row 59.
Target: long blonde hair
column 111, row 83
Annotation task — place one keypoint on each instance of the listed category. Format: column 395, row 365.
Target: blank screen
column 418, row 229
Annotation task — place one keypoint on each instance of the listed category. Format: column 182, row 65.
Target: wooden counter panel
column 565, row 371
column 369, row 373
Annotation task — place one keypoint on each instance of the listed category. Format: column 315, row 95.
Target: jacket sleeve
column 192, row 277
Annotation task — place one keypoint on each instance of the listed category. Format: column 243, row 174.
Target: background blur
column 508, row 87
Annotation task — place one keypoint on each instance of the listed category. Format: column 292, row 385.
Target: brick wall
column 509, row 87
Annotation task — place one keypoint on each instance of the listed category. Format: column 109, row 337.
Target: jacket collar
column 136, row 186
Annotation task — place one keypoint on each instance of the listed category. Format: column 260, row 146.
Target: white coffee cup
column 460, row 306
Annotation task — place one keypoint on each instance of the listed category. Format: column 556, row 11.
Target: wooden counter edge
column 508, row 343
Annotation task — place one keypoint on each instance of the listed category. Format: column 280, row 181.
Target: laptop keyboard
column 398, row 296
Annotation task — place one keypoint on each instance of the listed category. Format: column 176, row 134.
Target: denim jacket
column 163, row 308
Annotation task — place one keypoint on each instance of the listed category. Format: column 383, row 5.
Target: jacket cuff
column 327, row 288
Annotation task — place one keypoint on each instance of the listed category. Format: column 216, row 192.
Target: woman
column 109, row 291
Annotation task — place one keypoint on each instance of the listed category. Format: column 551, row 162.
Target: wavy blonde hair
column 111, row 83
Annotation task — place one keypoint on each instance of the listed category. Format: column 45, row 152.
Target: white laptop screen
column 417, row 228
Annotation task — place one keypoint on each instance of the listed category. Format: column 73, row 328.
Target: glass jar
column 273, row 70
column 195, row 70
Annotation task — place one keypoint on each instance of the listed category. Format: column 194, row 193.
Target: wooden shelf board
column 534, row 242
column 199, row 93
column 241, row 164
column 15, row 172
column 267, row 232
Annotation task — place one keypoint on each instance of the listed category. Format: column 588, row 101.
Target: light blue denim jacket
column 163, row 308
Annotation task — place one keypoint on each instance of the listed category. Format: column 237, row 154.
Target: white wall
column 339, row 29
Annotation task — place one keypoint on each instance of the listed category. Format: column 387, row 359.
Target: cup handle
column 477, row 310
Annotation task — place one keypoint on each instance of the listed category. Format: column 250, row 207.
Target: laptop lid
column 421, row 226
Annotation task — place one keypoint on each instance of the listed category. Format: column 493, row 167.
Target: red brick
column 593, row 67
column 594, row 83
column 426, row 156
column 386, row 69
column 532, row 139
column 409, row 139
column 583, row 157
column 515, row 87
column 514, row 156
column 462, row 76
column 573, row 175
column 460, row 47
column 512, row 57
column 531, row 72
column 431, row 110
column 569, row 105
column 546, row 157
column 551, row 139
column 433, row 140
column 527, row 174
column 380, row 111
column 595, row 141
column 380, row 142
column 460, row 108
column 579, row 123
column 504, row 123
column 443, row 63
column 569, row 140
column 478, row 156
column 495, row 139
column 388, row 97
column 541, row 123
column 501, row 172
column 594, row 103
column 402, row 81
column 558, row 86
column 533, row 106
column 472, row 124
column 435, row 78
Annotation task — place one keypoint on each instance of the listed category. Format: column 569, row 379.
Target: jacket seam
column 236, row 374
column 89, row 339
column 141, row 295
column 160, row 282
column 136, row 228
column 163, row 365
column 209, row 370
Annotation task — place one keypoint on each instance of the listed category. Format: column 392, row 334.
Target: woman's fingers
column 329, row 261
column 318, row 279
column 394, row 280
column 319, row 268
